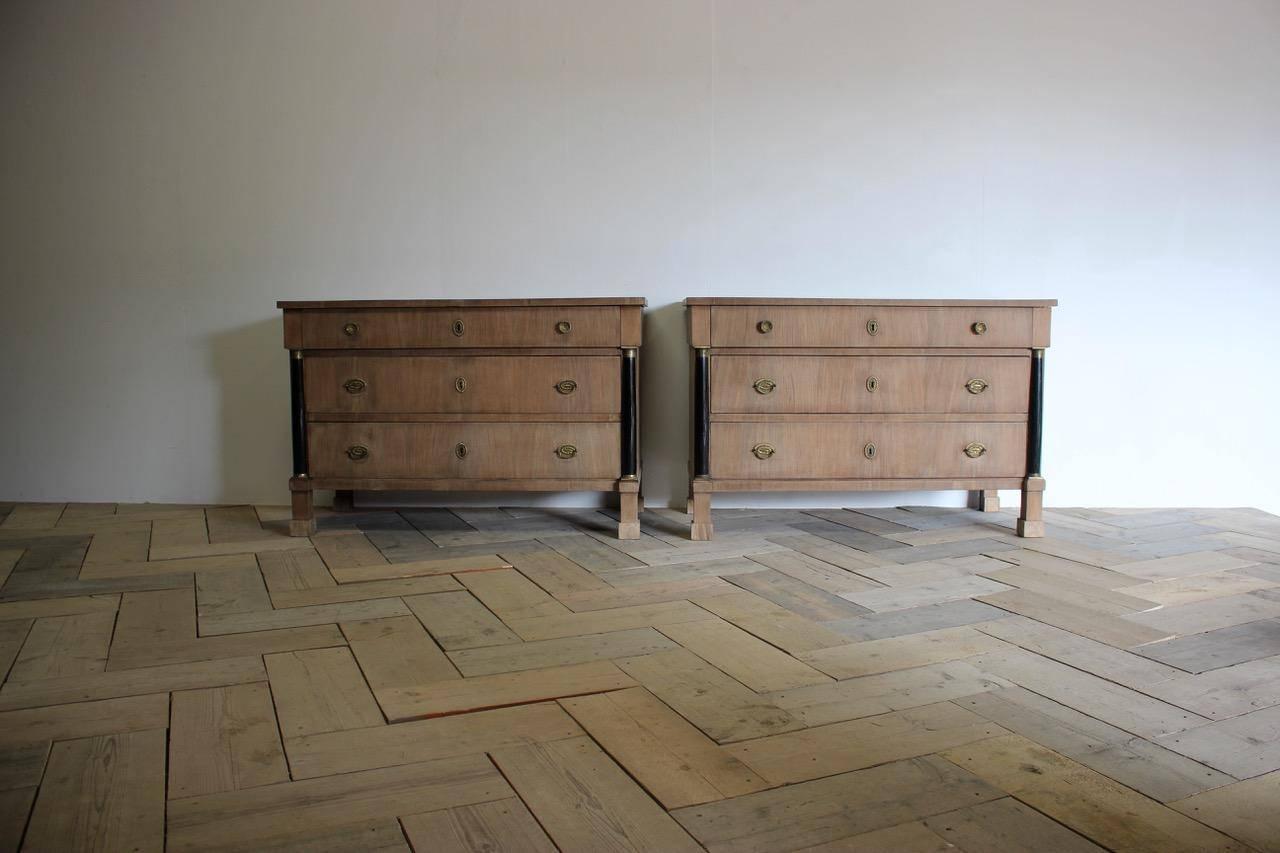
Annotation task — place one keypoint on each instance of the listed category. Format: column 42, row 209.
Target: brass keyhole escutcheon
column 459, row 328
column 357, row 452
column 979, row 328
column 764, row 386
column 872, row 384
column 564, row 327
column 763, row 451
column 461, row 451
column 355, row 386
column 350, row 330
column 977, row 386
column 873, row 327
column 566, row 451
column 566, row 386
column 973, row 450
column 869, row 450
column 764, row 327
column 460, row 384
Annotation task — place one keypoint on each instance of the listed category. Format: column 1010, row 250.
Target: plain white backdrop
column 170, row 169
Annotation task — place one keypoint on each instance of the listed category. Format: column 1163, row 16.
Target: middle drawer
column 750, row 384
column 368, row 384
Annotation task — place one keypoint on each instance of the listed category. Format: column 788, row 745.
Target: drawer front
column 395, row 328
column 867, row 450
column 464, row 450
column 750, row 384
column 869, row 326
column 365, row 384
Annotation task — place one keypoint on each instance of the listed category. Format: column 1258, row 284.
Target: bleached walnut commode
column 867, row 394
column 476, row 394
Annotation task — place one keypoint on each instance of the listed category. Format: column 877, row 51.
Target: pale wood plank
column 1176, row 591
column 1244, row 810
column 102, row 793
column 257, row 816
column 1084, row 800
column 347, row 550
column 1082, row 653
column 511, row 595
column 555, row 573
column 585, row 802
column 221, row 593
column 774, row 624
column 233, row 524
column 1087, row 595
column 496, row 691
column 856, row 744
column 894, row 653
column 181, row 532
column 1244, row 746
column 118, row 546
column 1008, row 826
column 58, row 646
column 458, row 621
column 756, row 664
column 1223, row 647
column 800, row 598
column 39, row 608
column 332, row 753
column 320, row 690
column 131, row 682
column 837, row 807
column 229, row 646
column 397, row 652
column 672, row 759
column 291, row 571
column 1182, row 566
column 1112, row 630
column 921, row 595
column 1209, row 615
column 912, row 837
column 217, row 549
column 224, row 739
column 31, row 516
column 705, row 696
column 501, row 825
column 541, row 654
column 84, row 719
column 419, row 568
column 364, row 591
column 601, row 621
column 608, row 599
column 154, row 568
column 301, row 617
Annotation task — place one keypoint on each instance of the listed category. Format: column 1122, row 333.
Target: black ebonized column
column 299, row 414
column 630, row 415
column 701, row 413
column 1035, row 418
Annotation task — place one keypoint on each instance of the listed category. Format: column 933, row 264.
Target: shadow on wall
column 251, row 368
column 664, row 405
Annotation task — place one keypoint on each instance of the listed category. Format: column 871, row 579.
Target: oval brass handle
column 869, row 450
column 357, row 452
column 564, row 327
column 873, row 326
column 764, row 386
column 350, row 330
column 979, row 328
column 460, row 384
column 763, row 451
column 872, row 384
column 459, row 328
column 977, row 386
column 764, row 327
column 460, row 451
column 355, row 386
column 566, row 451
column 973, row 450
column 566, row 386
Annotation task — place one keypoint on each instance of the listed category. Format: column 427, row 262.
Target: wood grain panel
column 382, row 328
column 847, row 326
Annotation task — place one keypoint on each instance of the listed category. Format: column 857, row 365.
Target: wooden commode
column 457, row 395
column 867, row 394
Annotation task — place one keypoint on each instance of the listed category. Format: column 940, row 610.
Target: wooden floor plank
column 301, row 617
column 500, row 825
column 221, row 593
column 755, row 663
column 320, row 690
column 131, row 682
column 1008, row 826
column 602, row 621
column 585, row 802
column 457, row 620
column 84, row 719
column 510, row 595
column 774, row 624
column 851, row 660
column 419, row 568
column 102, row 793
column 1215, row 649
column 1084, row 621
column 541, row 654
column 397, row 652
column 800, row 598
column 1119, row 665
column 347, row 550
column 58, row 646
column 224, row 739
column 1244, row 746
column 1244, row 810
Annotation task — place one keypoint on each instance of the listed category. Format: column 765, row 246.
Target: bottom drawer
column 855, row 450
column 481, row 451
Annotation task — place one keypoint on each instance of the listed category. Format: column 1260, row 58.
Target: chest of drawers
column 849, row 395
column 461, row 395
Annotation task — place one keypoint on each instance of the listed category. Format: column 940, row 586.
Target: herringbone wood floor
column 484, row 679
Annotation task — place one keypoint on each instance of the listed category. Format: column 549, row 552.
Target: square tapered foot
column 1031, row 529
column 302, row 527
column 985, row 500
column 629, row 530
column 700, row 532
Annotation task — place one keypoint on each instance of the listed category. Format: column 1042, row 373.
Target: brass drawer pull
column 977, row 386
column 979, row 328
column 350, row 330
column 355, row 386
column 763, row 451
column 764, row 386
column 459, row 328
column 566, row 451
column 872, row 384
column 460, row 451
column 460, row 384
column 564, row 327
column 870, row 450
column 764, row 327
column 973, row 450
column 873, row 327
column 357, row 452
column 566, row 386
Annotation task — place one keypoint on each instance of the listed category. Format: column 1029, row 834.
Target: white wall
column 168, row 169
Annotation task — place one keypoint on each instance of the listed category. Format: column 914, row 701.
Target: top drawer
column 870, row 326
column 411, row 328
